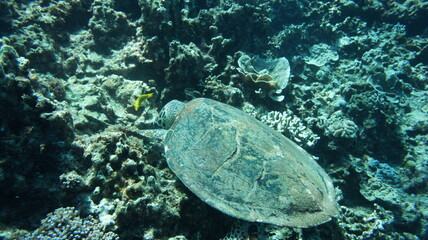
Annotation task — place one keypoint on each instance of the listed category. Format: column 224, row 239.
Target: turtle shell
column 245, row 169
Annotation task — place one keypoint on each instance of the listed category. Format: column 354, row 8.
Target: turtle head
column 169, row 112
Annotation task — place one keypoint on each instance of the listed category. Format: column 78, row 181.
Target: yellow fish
column 141, row 98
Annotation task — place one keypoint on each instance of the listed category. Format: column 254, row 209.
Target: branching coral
column 291, row 126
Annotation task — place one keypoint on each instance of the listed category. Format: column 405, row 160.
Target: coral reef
column 65, row 223
column 73, row 147
column 291, row 126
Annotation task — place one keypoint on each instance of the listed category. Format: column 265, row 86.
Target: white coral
column 291, row 126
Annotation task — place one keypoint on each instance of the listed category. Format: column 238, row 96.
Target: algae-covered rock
column 321, row 54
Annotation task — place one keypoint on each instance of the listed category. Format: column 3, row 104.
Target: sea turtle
column 242, row 167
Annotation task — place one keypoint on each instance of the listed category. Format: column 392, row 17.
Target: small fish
column 141, row 98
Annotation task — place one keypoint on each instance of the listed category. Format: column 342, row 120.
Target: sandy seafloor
column 74, row 166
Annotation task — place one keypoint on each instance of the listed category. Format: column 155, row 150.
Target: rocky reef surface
column 73, row 161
